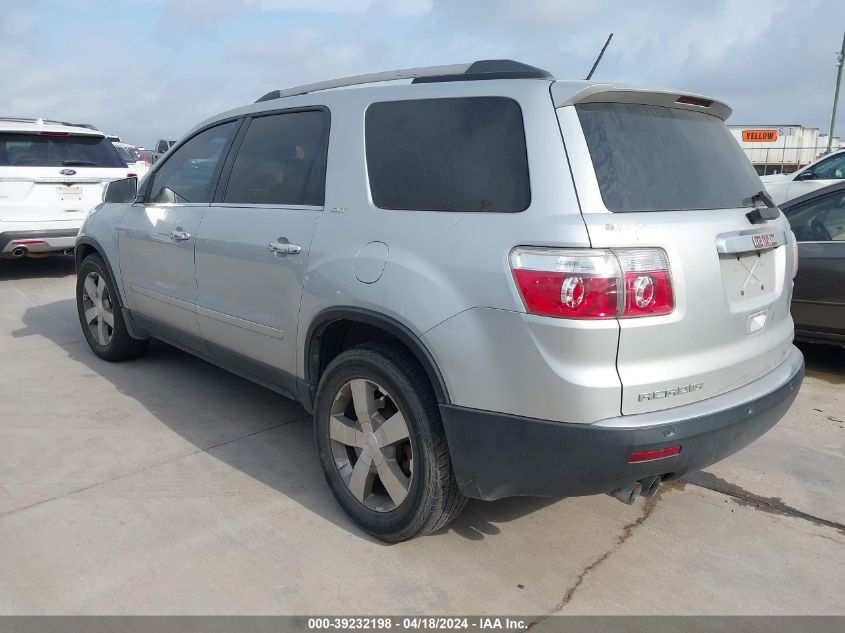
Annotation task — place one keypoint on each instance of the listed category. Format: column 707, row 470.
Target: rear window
column 128, row 154
column 653, row 158
column 461, row 154
column 33, row 150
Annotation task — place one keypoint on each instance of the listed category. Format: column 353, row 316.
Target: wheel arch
column 86, row 246
column 324, row 340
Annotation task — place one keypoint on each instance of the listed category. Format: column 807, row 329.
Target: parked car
column 468, row 307
column 161, row 147
column 824, row 172
column 818, row 303
column 135, row 159
column 51, row 175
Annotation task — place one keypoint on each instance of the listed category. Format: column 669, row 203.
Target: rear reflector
column 24, row 242
column 696, row 101
column 593, row 284
column 649, row 456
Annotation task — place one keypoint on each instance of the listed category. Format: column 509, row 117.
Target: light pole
column 839, row 59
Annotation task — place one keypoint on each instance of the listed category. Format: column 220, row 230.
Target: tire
column 419, row 462
column 110, row 342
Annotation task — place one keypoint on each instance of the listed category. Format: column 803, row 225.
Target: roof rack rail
column 483, row 69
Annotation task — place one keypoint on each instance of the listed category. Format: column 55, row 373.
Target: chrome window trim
column 247, row 205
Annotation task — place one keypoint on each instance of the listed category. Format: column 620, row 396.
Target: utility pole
column 839, row 59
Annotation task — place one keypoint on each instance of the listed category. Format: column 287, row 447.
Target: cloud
column 153, row 68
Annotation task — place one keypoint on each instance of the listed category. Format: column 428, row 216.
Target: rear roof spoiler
column 566, row 93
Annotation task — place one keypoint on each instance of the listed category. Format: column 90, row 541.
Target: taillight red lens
column 576, row 284
column 131, row 175
column 567, row 294
column 593, row 284
column 648, row 293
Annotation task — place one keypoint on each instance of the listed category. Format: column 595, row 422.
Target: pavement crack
column 151, row 466
column 627, row 531
column 771, row 505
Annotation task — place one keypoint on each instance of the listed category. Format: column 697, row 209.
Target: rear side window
column 281, row 161
column 35, row 150
column 189, row 173
column 653, row 158
column 461, row 154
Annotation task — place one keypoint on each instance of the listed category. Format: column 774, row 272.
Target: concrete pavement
column 167, row 486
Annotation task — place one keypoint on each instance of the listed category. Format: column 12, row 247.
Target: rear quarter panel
column 439, row 264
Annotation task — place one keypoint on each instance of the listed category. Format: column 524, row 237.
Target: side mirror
column 121, row 191
column 807, row 174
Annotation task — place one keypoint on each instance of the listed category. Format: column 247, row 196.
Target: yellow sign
column 759, row 136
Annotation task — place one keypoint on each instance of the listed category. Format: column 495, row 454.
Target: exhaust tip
column 629, row 493
column 650, row 485
column 20, row 251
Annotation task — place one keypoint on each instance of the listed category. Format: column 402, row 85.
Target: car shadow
column 248, row 427
column 825, row 362
column 28, row 267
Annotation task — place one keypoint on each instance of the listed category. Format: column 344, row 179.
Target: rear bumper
column 39, row 241
column 496, row 455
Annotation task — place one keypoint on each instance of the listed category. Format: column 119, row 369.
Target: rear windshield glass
column 653, row 158
column 128, row 154
column 33, row 150
column 460, row 154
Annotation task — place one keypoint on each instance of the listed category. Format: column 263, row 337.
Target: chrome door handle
column 284, row 248
column 179, row 236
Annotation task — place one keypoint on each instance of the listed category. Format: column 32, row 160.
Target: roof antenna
column 598, row 59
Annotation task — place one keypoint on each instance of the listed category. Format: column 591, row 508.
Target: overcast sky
column 151, row 68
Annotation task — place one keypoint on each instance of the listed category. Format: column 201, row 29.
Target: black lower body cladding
column 496, row 455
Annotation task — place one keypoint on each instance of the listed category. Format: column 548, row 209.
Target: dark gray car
column 818, row 302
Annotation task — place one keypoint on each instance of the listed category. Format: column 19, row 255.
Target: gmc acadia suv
column 482, row 282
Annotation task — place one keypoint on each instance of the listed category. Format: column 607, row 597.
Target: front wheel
column 382, row 445
column 99, row 313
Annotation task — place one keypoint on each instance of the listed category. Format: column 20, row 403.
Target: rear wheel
column 100, row 316
column 382, row 445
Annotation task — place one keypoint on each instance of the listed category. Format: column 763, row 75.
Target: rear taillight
column 131, row 175
column 593, row 284
column 794, row 241
column 648, row 282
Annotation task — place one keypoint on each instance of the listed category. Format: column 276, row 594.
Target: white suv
column 51, row 175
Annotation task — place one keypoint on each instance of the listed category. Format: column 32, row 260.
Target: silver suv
column 482, row 282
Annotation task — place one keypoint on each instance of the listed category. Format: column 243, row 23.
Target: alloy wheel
column 98, row 308
column 371, row 445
